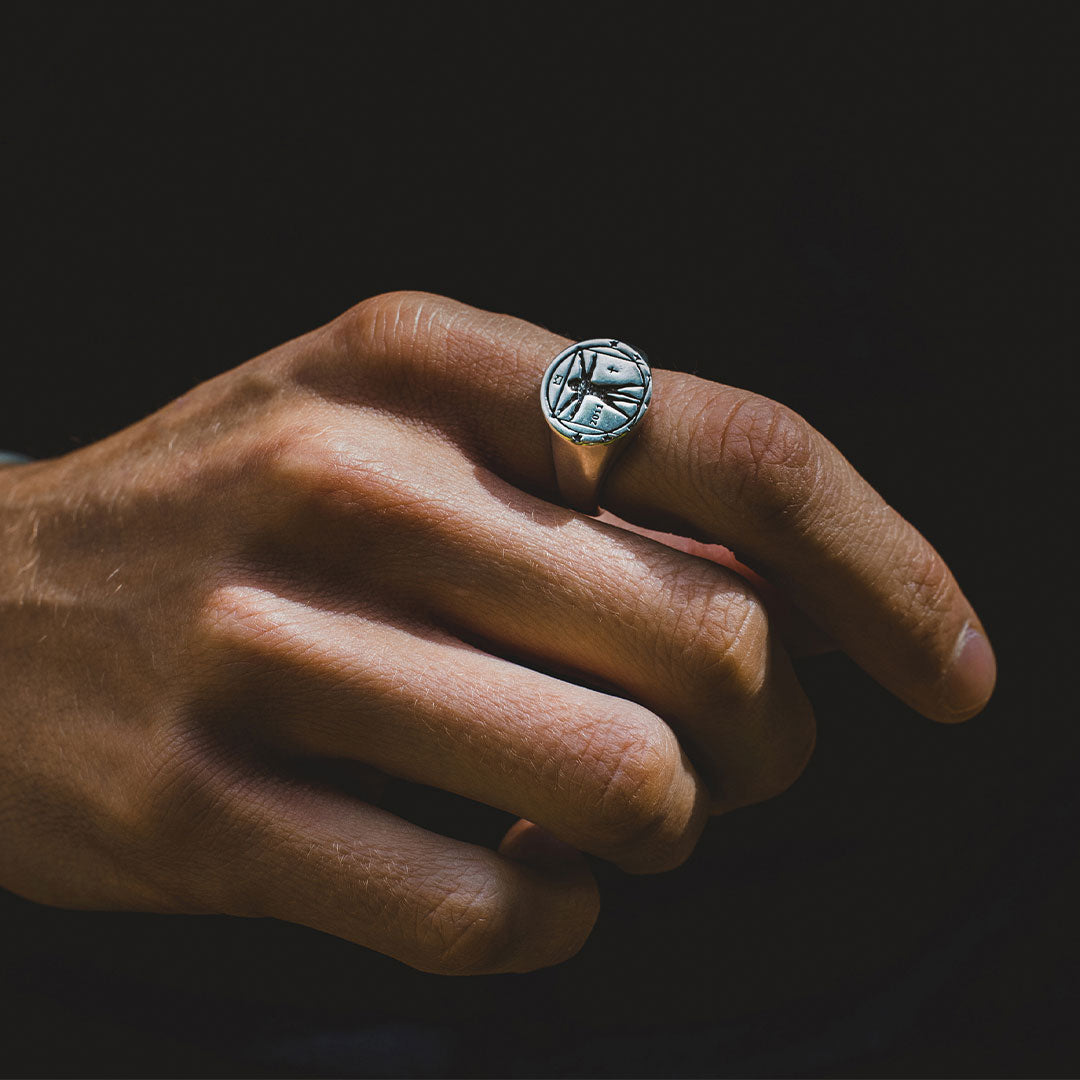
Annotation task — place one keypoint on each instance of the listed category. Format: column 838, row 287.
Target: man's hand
column 351, row 549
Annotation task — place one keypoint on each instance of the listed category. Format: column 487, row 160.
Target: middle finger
column 681, row 635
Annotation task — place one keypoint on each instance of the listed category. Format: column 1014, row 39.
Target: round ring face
column 596, row 391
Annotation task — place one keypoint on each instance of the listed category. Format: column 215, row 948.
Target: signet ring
column 594, row 395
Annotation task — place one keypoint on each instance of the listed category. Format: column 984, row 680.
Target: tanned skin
column 350, row 549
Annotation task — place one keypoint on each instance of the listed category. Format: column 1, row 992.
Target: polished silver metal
column 593, row 395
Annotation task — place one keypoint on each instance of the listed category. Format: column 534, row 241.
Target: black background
column 862, row 210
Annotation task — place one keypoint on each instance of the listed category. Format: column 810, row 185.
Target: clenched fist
column 350, row 549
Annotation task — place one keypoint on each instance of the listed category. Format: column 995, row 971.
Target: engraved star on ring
column 593, row 396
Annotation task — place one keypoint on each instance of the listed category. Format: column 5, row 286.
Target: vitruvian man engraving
column 624, row 396
column 595, row 390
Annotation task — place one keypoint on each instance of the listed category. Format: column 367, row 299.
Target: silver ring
column 594, row 395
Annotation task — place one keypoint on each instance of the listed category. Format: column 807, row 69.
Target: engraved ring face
column 596, row 391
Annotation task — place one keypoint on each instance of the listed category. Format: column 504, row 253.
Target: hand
column 349, row 549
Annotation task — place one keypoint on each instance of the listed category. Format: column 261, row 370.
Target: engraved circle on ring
column 595, row 391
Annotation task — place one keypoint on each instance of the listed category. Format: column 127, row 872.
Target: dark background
column 863, row 210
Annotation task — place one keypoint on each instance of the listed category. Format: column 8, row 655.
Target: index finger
column 713, row 462
column 734, row 467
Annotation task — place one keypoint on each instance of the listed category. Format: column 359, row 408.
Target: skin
column 350, row 550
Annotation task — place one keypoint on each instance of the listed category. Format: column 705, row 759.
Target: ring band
column 594, row 395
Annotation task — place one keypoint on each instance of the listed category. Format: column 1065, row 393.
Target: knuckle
column 761, row 454
column 291, row 458
column 309, row 471
column 744, row 672
column 373, row 349
column 637, row 818
column 467, row 932
column 388, row 325
column 233, row 617
column 726, row 647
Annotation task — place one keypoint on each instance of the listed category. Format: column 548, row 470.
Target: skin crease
column 331, row 554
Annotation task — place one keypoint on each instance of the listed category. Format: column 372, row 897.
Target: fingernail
column 533, row 844
column 971, row 676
